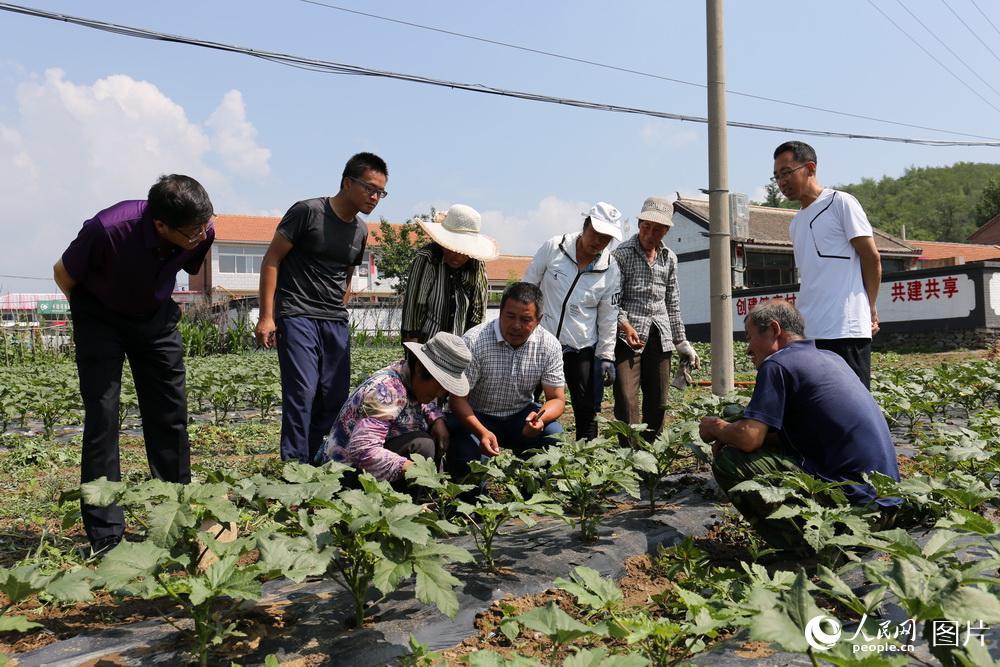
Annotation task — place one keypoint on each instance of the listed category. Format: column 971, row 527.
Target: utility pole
column 720, row 262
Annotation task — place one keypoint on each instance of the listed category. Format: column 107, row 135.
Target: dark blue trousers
column 155, row 353
column 464, row 446
column 315, row 360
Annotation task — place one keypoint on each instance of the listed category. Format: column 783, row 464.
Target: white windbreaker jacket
column 580, row 307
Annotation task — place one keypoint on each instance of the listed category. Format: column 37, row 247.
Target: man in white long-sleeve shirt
column 581, row 283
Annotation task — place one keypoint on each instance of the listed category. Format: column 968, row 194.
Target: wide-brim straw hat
column 445, row 356
column 459, row 232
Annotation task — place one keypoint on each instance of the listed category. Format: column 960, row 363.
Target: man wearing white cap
column 580, row 281
column 447, row 287
column 394, row 413
column 649, row 319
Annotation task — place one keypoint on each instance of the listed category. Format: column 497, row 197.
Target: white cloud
column 523, row 233
column 71, row 149
column 235, row 138
column 665, row 134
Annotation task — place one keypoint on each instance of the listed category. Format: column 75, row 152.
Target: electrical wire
column 49, row 279
column 948, row 48
column 995, row 28
column 969, row 28
column 329, row 67
column 932, row 56
column 636, row 72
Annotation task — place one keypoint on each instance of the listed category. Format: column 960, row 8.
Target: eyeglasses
column 370, row 189
column 199, row 235
column 785, row 174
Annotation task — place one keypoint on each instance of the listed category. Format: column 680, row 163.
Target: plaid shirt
column 649, row 293
column 502, row 378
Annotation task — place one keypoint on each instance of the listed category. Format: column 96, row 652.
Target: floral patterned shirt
column 381, row 408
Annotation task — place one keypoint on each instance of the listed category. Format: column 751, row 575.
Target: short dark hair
column 179, row 201
column 801, row 151
column 526, row 293
column 784, row 313
column 362, row 162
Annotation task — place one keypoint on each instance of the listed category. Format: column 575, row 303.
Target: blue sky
column 88, row 118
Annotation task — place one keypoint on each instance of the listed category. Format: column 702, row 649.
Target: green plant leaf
column 599, row 657
column 556, row 624
column 21, row 582
column 436, row 586
column 71, row 586
column 292, row 557
column 491, row 659
column 101, row 492
column 167, row 521
column 17, row 624
column 129, row 561
column 590, row 588
column 971, row 603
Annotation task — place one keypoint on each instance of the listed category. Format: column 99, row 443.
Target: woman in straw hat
column 446, row 289
column 394, row 413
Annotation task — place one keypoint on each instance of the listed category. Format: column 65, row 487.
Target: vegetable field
column 720, row 591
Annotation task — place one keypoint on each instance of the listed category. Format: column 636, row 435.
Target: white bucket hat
column 659, row 210
column 605, row 219
column 459, row 232
column 445, row 356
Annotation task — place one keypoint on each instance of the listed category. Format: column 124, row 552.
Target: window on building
column 240, row 259
column 769, row 268
column 894, row 264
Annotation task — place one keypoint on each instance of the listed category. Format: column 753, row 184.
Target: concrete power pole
column 720, row 262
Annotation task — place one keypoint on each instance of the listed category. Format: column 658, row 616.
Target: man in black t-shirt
column 305, row 282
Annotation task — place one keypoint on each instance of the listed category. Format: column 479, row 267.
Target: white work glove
column 687, row 354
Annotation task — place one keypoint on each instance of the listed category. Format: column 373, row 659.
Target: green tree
column 935, row 203
column 395, row 249
column 989, row 203
column 774, row 199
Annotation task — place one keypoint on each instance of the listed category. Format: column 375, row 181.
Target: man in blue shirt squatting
column 118, row 274
column 809, row 412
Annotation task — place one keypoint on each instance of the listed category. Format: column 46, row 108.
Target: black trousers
column 579, row 368
column 152, row 345
column 857, row 352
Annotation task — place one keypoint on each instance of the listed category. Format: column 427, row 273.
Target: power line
column 49, row 279
column 628, row 70
column 932, row 56
column 985, row 16
column 329, row 67
column 948, row 48
column 969, row 28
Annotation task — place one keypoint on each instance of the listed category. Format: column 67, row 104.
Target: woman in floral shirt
column 394, row 412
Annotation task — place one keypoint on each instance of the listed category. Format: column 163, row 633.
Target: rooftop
column 769, row 226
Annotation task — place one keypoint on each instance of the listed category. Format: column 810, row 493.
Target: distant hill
column 935, row 203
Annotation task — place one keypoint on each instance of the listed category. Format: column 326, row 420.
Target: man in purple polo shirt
column 118, row 275
column 305, row 284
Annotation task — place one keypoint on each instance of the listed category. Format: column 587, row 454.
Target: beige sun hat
column 445, row 356
column 659, row 210
column 459, row 232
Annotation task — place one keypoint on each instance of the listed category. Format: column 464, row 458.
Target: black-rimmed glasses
column 785, row 174
column 370, row 189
